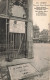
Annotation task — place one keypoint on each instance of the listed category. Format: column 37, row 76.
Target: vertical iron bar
column 13, row 47
column 8, row 37
column 25, row 39
column 13, row 41
column 6, row 34
column 20, row 38
column 6, row 23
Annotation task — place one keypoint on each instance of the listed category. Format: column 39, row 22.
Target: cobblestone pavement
column 41, row 61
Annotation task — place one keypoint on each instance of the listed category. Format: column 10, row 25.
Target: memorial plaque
column 16, row 26
column 18, row 72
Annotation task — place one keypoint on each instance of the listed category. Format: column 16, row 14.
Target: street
column 41, row 60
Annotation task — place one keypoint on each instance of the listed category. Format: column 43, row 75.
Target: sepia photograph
column 24, row 40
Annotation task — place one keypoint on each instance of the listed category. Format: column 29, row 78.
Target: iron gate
column 16, row 43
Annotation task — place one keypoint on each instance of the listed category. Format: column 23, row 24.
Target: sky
column 41, row 21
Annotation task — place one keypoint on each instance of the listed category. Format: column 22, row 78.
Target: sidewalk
column 39, row 69
column 38, row 64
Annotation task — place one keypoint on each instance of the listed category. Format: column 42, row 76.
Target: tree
column 43, row 37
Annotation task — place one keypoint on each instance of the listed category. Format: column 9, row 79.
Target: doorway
column 12, row 43
column 17, row 38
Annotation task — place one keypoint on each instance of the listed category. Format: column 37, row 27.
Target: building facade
column 16, row 27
